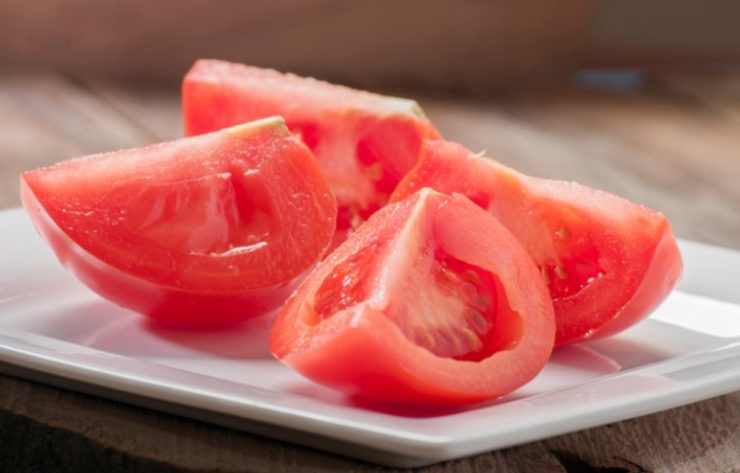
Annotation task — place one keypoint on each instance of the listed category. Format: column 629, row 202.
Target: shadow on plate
column 247, row 340
column 101, row 325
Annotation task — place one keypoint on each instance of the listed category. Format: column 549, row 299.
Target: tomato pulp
column 364, row 142
column 607, row 262
column 431, row 301
column 207, row 230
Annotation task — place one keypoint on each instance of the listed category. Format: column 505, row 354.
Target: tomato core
column 449, row 307
column 455, row 316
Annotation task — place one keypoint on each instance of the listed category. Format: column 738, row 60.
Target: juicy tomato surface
column 607, row 262
column 364, row 142
column 431, row 301
column 207, row 230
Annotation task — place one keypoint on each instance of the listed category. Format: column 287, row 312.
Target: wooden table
column 673, row 144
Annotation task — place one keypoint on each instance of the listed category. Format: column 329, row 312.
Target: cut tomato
column 607, row 262
column 431, row 301
column 201, row 231
column 364, row 142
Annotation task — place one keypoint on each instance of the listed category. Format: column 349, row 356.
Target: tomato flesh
column 595, row 251
column 364, row 142
column 202, row 231
column 417, row 306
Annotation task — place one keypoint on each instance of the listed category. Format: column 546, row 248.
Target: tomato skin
column 169, row 284
column 633, row 257
column 661, row 276
column 362, row 350
column 364, row 142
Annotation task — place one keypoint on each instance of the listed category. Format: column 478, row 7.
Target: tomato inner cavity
column 381, row 165
column 575, row 266
column 352, row 214
column 346, row 285
column 308, row 132
column 368, row 155
column 383, row 182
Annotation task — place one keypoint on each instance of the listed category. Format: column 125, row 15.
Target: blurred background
column 641, row 98
column 441, row 45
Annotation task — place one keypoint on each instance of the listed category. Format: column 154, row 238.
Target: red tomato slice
column 364, row 142
column 431, row 301
column 608, row 262
column 201, row 231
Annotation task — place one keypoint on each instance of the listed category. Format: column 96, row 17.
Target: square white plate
column 55, row 330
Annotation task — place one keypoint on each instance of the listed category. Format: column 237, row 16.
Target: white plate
column 54, row 330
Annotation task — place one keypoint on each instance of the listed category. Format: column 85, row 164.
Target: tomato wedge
column 207, row 230
column 431, row 301
column 607, row 262
column 364, row 142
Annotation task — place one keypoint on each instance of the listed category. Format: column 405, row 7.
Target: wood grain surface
column 464, row 45
column 673, row 144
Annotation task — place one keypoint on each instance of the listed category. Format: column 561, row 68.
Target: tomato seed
column 471, row 276
column 563, row 233
column 469, row 293
column 375, row 171
column 479, row 322
column 471, row 340
column 450, row 276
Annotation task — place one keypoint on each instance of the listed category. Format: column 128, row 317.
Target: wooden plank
column 154, row 108
column 437, row 43
column 701, row 437
column 48, row 118
column 715, row 88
